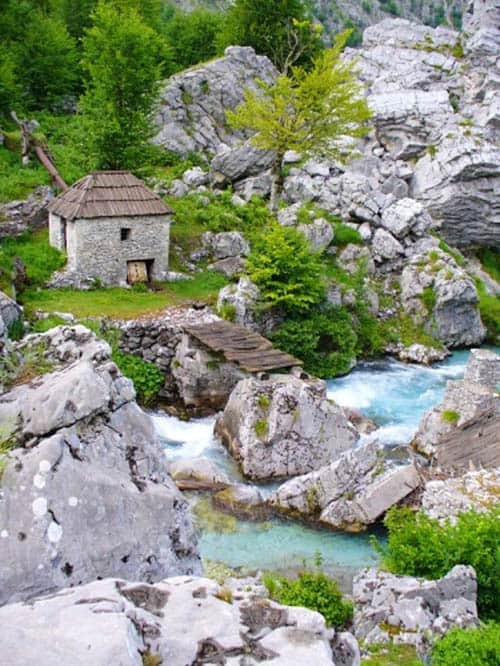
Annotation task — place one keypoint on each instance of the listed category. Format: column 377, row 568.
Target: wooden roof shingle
column 108, row 194
column 238, row 344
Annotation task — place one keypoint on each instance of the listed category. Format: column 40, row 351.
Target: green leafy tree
column 280, row 29
column 307, row 111
column 122, row 60
column 47, row 61
column 288, row 274
column 193, row 36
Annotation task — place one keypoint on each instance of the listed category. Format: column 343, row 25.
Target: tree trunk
column 277, row 183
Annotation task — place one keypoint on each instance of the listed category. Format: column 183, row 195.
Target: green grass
column 391, row 655
column 118, row 303
column 490, row 259
column 450, row 416
column 16, row 181
column 39, row 258
column 489, row 308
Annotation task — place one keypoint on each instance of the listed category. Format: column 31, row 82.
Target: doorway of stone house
column 139, row 271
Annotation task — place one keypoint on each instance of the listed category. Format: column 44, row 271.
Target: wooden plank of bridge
column 248, row 349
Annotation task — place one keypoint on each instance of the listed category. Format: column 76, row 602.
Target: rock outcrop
column 283, row 426
column 182, row 620
column 350, row 493
column 28, row 214
column 444, row 499
column 85, row 487
column 412, row 610
column 197, row 474
column 193, row 104
column 443, row 297
column 464, row 428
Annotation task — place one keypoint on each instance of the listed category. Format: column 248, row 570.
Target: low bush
column 312, row 590
column 288, row 274
column 489, row 309
column 469, row 647
column 146, row 377
column 325, row 341
column 419, row 546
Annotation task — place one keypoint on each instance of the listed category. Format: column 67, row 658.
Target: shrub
column 325, row 341
column 469, row 647
column 428, row 298
column 312, row 590
column 344, row 234
column 489, row 308
column 288, row 274
column 450, row 416
column 146, row 377
column 420, row 546
column 220, row 213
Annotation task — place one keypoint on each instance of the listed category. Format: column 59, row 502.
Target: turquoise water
column 393, row 394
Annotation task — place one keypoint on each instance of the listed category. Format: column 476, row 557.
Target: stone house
column 112, row 228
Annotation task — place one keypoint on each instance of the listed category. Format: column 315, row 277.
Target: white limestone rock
column 350, row 493
column 182, row 620
column 453, row 317
column 419, row 611
column 85, row 489
column 283, row 426
column 197, row 474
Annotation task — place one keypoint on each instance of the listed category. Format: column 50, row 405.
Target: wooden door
column 137, row 272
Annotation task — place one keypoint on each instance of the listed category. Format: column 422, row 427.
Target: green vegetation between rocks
column 489, row 308
column 450, row 416
column 314, row 590
column 469, row 647
column 391, row 655
column 420, row 546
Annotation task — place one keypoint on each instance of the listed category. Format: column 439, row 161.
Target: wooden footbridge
column 238, row 344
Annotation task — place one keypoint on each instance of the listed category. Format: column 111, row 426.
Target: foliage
column 490, row 260
column 469, row 647
column 288, row 274
column 312, row 590
column 219, row 213
column 47, row 62
column 306, row 111
column 420, row 546
column 39, row 258
column 43, row 325
column 345, row 235
column 450, row 416
column 279, row 29
column 122, row 60
column 193, row 36
column 325, row 341
column 17, row 181
column 489, row 308
column 261, row 428
column 428, row 298
column 146, row 377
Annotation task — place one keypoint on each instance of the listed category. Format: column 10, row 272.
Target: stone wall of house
column 56, row 234
column 96, row 250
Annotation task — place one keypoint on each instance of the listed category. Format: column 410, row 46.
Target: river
column 393, row 394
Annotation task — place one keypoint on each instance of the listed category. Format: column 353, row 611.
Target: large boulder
column 197, row 474
column 464, row 428
column 238, row 163
column 414, row 611
column 204, row 379
column 442, row 296
column 179, row 621
column 85, row 487
column 460, row 186
column 283, row 426
column 193, row 104
column 350, row 493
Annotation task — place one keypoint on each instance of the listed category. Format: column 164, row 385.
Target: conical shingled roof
column 108, row 194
